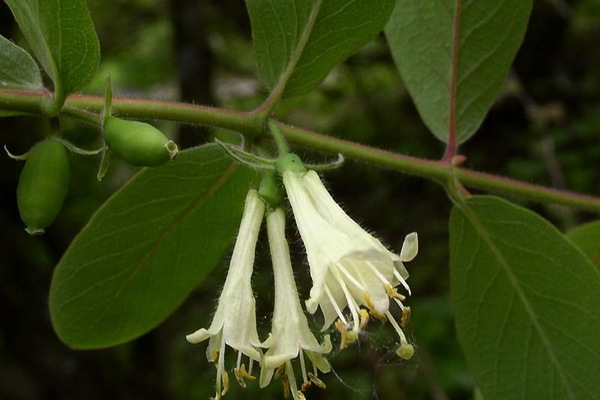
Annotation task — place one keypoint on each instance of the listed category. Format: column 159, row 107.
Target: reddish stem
column 451, row 145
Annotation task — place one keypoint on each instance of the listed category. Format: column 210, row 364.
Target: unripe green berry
column 138, row 143
column 43, row 185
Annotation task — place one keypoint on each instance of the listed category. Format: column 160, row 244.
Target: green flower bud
column 43, row 185
column 138, row 143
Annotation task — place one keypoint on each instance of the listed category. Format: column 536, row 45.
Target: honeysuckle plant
column 524, row 294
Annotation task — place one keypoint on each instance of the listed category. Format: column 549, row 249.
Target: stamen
column 318, row 383
column 240, row 374
column 364, row 318
column 393, row 294
column 350, row 277
column 285, row 381
column 405, row 316
column 402, row 281
column 405, row 350
column 306, row 385
column 279, row 371
column 399, row 303
column 371, row 306
column 239, row 360
column 396, row 327
column 379, row 274
column 350, row 300
column 250, row 365
column 219, row 355
column 335, row 306
column 289, row 372
column 341, row 327
column 225, row 378
column 303, row 367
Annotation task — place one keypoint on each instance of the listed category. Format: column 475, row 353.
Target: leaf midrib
column 207, row 195
column 486, row 237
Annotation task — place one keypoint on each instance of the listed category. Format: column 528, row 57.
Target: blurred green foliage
column 543, row 129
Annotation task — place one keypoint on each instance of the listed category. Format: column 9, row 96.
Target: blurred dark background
column 544, row 128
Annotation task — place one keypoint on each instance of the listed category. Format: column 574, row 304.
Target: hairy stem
column 251, row 125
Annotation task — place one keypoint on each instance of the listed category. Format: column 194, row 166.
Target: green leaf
column 454, row 57
column 17, row 68
column 587, row 238
column 62, row 37
column 147, row 248
column 297, row 42
column 526, row 303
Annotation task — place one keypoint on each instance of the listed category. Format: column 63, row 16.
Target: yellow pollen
column 364, row 318
column 368, row 301
column 341, row 327
column 215, row 355
column 372, row 310
column 306, row 385
column 240, row 374
column 405, row 316
column 225, row 380
column 393, row 293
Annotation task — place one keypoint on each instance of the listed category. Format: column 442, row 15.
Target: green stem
column 251, row 125
column 282, row 147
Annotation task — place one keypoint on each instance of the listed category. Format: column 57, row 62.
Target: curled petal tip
column 198, row 336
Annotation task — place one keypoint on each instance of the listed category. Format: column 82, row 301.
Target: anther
column 279, row 371
column 225, row 380
column 341, row 327
column 372, row 310
column 405, row 316
column 318, row 383
column 240, row 374
column 393, row 293
column 364, row 318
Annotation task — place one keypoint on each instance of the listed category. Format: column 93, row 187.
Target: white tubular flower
column 349, row 267
column 290, row 335
column 234, row 322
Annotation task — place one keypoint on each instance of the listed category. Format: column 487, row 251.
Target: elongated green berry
column 43, row 185
column 138, row 143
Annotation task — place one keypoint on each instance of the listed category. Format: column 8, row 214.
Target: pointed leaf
column 17, row 68
column 147, row 248
column 526, row 303
column 454, row 56
column 303, row 39
column 62, row 37
column 587, row 238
